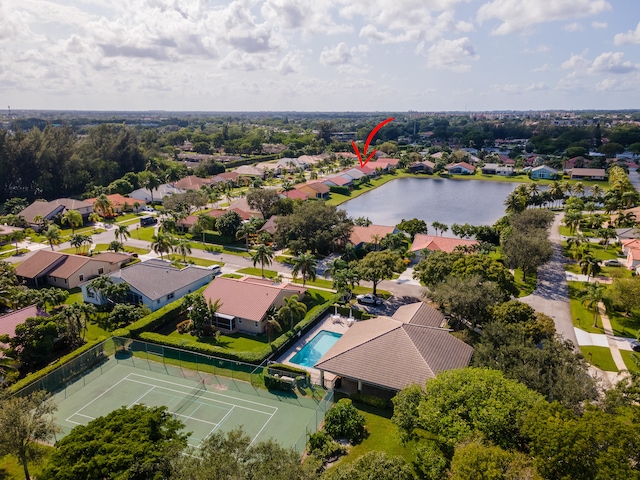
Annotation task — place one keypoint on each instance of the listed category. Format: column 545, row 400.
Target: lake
column 432, row 199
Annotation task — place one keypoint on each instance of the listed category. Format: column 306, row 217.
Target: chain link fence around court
column 314, row 423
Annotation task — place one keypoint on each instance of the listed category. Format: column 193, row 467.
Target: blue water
column 313, row 351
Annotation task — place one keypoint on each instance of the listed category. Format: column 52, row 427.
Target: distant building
column 544, row 172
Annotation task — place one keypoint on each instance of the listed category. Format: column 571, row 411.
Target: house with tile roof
column 120, row 203
column 47, row 210
column 81, row 206
column 460, row 168
column 587, row 173
column 434, row 243
column 191, row 182
column 155, row 283
column 10, row 321
column 225, row 177
column 66, row 270
column 338, row 181
column 294, row 195
column 425, row 166
column 245, row 303
column 385, row 354
column 314, row 188
column 361, row 236
column 6, row 231
column 162, row 191
column 544, row 171
column 631, row 248
column 497, row 169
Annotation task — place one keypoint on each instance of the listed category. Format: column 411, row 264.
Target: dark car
column 635, row 346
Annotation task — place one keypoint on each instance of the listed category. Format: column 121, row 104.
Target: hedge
column 281, row 367
column 35, row 376
column 340, row 190
column 371, row 400
column 276, row 383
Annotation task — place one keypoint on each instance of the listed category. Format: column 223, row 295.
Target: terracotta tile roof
column 118, row 201
column 445, row 244
column 295, row 194
column 315, row 185
column 245, row 299
column 393, row 354
column 228, row 176
column 39, row 263
column 340, row 180
column 365, row 234
column 464, row 165
column 192, row 182
column 10, row 321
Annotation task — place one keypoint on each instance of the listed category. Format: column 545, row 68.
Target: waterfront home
column 544, row 172
column 497, row 169
column 371, row 234
column 587, row 173
column 461, row 168
column 434, row 243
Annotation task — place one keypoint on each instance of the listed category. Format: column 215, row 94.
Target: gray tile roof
column 419, row 313
column 391, row 353
column 44, row 209
column 157, row 278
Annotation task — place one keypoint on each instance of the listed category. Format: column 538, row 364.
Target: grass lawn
column 628, row 357
column 258, row 272
column 622, row 325
column 383, row 436
column 144, row 233
column 581, row 316
column 564, row 230
column 600, row 357
column 10, row 469
column 102, row 247
column 12, row 253
column 219, row 249
column 75, row 296
column 194, row 260
column 231, row 275
column 526, row 287
column 337, row 199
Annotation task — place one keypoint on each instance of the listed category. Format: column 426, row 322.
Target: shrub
column 370, row 400
column 340, row 190
column 281, row 367
column 324, row 447
column 276, row 383
column 184, row 326
column 156, row 319
column 345, row 421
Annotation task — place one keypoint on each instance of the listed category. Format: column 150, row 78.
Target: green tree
column 228, row 223
column 53, row 236
column 405, row 410
column 304, row 264
column 17, row 237
column 122, row 233
column 475, row 461
column 25, row 422
column 378, row 465
column 135, row 443
column 625, row 293
column 74, row 319
column 413, row 227
column 470, row 401
column 262, row 255
column 162, row 243
column 73, row 218
column 271, row 324
column 592, row 295
column 378, row 266
column 263, row 200
column 183, row 247
column 440, row 227
column 527, row 250
column 33, row 341
column 246, row 230
column 488, row 268
column 103, row 206
column 292, row 310
column 124, row 314
column 435, row 267
column 150, row 181
column 590, row 266
column 115, row 246
column 344, row 420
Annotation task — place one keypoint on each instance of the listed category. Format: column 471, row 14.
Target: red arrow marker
column 366, row 144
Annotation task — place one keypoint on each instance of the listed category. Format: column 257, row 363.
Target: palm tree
column 136, row 206
column 515, row 202
column 375, row 241
column 589, row 266
column 52, row 234
column 162, row 243
column 122, row 233
column 606, row 234
column 440, row 227
column 150, row 181
column 592, row 295
column 103, row 206
column 94, row 217
column 272, row 324
column 76, row 241
column 40, row 221
column 17, row 237
column 115, row 246
column 596, row 191
column 572, row 220
column 183, row 247
column 555, row 190
column 245, row 231
column 73, row 218
column 578, row 188
column 293, row 310
column 262, row 255
column 305, row 263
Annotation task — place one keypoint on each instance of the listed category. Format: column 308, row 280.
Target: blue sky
column 320, row 55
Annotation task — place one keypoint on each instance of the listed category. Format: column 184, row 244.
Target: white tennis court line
column 208, row 395
column 103, row 393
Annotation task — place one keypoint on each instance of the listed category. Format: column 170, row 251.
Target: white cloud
column 631, row 37
column 573, row 27
column 452, row 55
column 516, row 15
column 309, row 16
column 612, row 62
column 599, row 25
column 543, row 68
column 516, row 89
column 575, row 62
column 339, row 55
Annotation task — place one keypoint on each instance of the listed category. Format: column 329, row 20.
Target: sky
column 320, row 55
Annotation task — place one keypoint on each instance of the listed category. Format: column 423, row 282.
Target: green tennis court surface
column 204, row 403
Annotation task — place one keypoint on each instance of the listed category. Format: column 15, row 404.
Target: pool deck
column 328, row 323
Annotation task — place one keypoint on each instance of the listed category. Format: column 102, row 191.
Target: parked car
column 369, row 299
column 635, row 346
column 612, row 263
column 215, row 269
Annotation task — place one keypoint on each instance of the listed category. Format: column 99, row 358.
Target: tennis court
column 205, row 403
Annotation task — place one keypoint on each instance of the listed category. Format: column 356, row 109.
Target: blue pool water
column 315, row 349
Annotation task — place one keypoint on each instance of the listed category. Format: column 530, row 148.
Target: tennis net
column 190, row 398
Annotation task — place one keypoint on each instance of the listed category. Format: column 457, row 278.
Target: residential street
column 551, row 295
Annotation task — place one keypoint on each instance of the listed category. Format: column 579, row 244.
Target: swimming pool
column 315, row 349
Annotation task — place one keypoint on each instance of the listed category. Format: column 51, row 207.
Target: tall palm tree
column 17, row 237
column 76, row 242
column 183, row 247
column 592, row 295
column 572, row 220
column 578, row 188
column 94, row 217
column 596, row 191
column 122, row 233
column 262, row 255
column 306, row 264
column 292, row 310
column 272, row 324
column 40, row 221
column 245, row 231
column 555, row 190
column 162, row 243
column 73, row 218
column 150, row 181
column 103, row 206
column 589, row 266
column 52, row 235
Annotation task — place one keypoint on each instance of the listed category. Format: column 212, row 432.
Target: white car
column 215, row 269
column 369, row 299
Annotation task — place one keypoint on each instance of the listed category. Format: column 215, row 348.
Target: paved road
column 551, row 295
